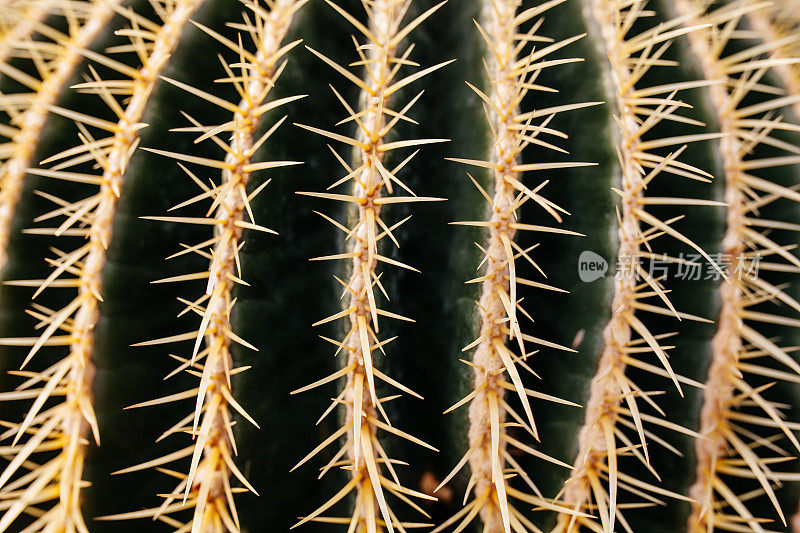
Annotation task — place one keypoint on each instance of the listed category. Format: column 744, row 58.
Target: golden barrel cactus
column 479, row 265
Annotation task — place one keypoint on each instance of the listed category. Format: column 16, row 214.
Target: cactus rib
column 207, row 486
column 614, row 398
column 512, row 74
column 371, row 181
column 65, row 426
column 725, row 442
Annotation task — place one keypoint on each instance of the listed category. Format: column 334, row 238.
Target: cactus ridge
column 512, row 71
column 372, row 185
column 207, row 487
column 731, row 447
column 64, row 427
column 614, row 416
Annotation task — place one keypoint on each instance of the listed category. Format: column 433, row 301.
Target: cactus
column 238, row 244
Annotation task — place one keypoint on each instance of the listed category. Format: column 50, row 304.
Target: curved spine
column 371, row 184
column 65, row 426
column 207, row 487
column 725, row 443
column 613, row 404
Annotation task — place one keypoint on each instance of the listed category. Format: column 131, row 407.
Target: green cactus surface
column 499, row 266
